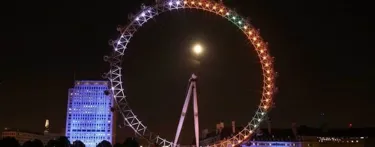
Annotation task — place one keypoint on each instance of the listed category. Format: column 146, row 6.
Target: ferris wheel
column 148, row 12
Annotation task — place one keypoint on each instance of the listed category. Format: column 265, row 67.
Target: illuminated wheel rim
column 148, row 12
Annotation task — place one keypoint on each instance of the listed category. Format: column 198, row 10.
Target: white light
column 170, row 3
column 143, row 14
column 137, row 19
column 178, row 2
column 198, row 49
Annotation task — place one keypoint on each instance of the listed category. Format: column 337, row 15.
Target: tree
column 131, row 142
column 52, row 143
column 118, row 145
column 27, row 144
column 10, row 142
column 37, row 143
column 78, row 143
column 104, row 143
column 63, row 142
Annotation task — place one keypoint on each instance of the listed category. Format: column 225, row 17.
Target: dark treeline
column 64, row 142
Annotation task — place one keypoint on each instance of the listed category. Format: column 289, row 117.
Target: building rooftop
column 303, row 131
column 278, row 134
column 338, row 132
column 20, row 130
column 91, row 82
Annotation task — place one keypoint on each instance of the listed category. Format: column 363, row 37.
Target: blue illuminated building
column 89, row 115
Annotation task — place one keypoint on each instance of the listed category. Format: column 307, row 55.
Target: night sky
column 322, row 54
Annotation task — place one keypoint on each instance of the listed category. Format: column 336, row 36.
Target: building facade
column 317, row 142
column 301, row 136
column 89, row 116
column 24, row 136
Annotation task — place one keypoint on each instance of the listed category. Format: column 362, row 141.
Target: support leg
column 182, row 118
column 196, row 120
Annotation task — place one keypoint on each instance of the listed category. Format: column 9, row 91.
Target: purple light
column 89, row 113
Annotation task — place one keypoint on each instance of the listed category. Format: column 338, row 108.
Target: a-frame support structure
column 192, row 90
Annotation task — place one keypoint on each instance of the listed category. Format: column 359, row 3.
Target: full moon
column 198, row 49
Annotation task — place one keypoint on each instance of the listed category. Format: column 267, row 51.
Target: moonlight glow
column 197, row 49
